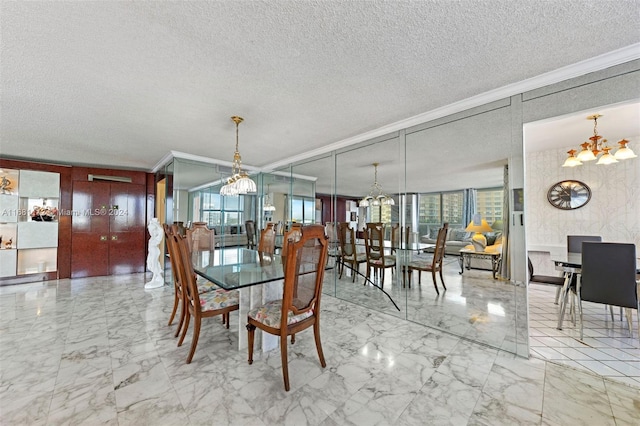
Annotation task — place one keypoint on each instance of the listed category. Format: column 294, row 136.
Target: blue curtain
column 469, row 205
column 505, row 265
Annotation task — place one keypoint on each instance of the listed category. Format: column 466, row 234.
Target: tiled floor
column 607, row 349
column 93, row 351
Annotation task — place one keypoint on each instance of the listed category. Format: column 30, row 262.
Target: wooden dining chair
column 348, row 252
column 608, row 276
column 267, row 244
column 204, row 286
column 299, row 307
column 250, row 226
column 210, row 304
column 290, row 237
column 376, row 261
column 200, row 237
column 395, row 237
column 374, row 232
column 434, row 264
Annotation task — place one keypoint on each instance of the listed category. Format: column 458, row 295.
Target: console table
column 467, row 254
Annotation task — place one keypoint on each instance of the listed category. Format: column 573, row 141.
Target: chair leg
column 557, row 294
column 409, row 273
column 181, row 322
column 194, row 341
column 611, row 312
column 316, row 335
column 251, row 329
column 174, row 310
column 442, row 279
column 185, row 328
column 581, row 319
column 433, row 277
column 341, row 269
column 285, row 363
column 629, row 316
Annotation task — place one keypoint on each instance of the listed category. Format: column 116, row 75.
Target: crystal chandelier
column 597, row 145
column 268, row 207
column 376, row 197
column 239, row 182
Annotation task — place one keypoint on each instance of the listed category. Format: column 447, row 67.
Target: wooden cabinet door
column 108, row 229
column 90, row 229
column 127, row 237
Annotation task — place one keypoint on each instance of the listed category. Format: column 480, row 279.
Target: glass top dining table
column 571, row 264
column 237, row 267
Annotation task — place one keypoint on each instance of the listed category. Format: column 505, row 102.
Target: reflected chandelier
column 268, row 207
column 239, row 183
column 591, row 150
column 376, row 197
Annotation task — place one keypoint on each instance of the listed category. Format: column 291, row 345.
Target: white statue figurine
column 153, row 258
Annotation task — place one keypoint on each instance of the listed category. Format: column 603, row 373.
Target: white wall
column 613, row 211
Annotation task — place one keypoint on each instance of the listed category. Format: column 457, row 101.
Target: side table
column 466, row 255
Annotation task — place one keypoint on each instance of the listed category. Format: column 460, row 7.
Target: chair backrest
column 173, row 257
column 290, row 237
column 441, row 240
column 250, row 226
column 574, row 242
column 200, row 237
column 304, row 272
column 331, row 230
column 347, row 238
column 609, row 274
column 395, row 236
column 185, row 271
column 374, row 233
column 267, row 240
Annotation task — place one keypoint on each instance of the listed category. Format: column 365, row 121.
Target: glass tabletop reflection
column 237, row 267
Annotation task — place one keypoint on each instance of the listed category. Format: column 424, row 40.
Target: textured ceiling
column 124, row 83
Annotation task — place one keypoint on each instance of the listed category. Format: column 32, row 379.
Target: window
column 489, row 204
column 452, row 208
column 207, row 207
column 380, row 214
column 303, row 210
column 436, row 208
column 429, row 209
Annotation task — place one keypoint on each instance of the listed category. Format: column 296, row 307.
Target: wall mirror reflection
column 611, row 213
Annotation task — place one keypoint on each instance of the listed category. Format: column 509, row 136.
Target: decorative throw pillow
column 457, row 235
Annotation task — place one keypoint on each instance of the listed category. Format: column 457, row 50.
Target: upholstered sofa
column 457, row 239
column 232, row 235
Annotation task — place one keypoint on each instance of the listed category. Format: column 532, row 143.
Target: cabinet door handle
column 114, row 237
column 103, row 238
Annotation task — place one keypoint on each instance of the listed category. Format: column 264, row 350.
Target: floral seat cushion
column 218, row 299
column 384, row 261
column 360, row 257
column 270, row 314
column 205, row 286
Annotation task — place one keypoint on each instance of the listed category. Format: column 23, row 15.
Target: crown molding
column 607, row 60
column 185, row 156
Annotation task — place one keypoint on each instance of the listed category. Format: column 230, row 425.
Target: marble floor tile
column 101, row 353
